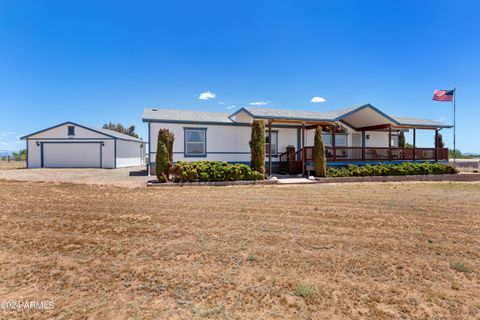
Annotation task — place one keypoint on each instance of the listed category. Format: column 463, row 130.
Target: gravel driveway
column 123, row 177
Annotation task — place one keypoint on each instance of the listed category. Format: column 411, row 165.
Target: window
column 327, row 139
column 71, row 130
column 274, row 143
column 340, row 139
column 394, row 141
column 195, row 142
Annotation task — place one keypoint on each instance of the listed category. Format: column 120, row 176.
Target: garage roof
column 106, row 132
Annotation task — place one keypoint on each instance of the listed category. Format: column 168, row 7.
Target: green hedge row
column 212, row 171
column 406, row 168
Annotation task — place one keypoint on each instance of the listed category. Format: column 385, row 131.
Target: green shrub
column 213, row 171
column 406, row 168
column 319, row 160
column 257, row 146
column 459, row 266
column 164, row 156
column 305, row 290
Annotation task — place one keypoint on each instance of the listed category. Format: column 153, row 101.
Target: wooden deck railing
column 379, row 154
column 361, row 154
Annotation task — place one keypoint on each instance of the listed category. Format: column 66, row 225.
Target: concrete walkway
column 295, row 180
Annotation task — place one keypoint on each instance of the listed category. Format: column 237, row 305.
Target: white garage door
column 71, row 155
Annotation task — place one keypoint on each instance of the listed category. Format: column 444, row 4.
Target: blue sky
column 96, row 61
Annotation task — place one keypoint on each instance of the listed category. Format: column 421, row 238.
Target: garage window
column 71, row 130
column 195, row 142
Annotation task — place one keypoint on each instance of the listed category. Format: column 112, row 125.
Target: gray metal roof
column 185, row 115
column 114, row 133
column 107, row 132
column 419, row 122
column 175, row 115
column 297, row 114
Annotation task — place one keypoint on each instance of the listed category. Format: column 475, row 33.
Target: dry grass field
column 10, row 165
column 352, row 251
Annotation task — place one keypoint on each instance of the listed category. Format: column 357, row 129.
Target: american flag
column 443, row 95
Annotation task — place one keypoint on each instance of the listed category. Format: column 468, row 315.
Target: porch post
column 390, row 143
column 270, row 147
column 333, row 143
column 414, row 143
column 436, row 145
column 303, row 149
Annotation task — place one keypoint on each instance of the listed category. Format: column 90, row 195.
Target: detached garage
column 71, row 145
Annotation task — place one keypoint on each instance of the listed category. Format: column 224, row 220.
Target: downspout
column 149, row 143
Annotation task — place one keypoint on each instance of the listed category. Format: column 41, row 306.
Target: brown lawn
column 10, row 165
column 362, row 251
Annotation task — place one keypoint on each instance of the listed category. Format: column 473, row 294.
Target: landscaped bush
column 401, row 140
column 257, row 146
column 406, row 168
column 164, row 155
column 213, row 171
column 319, row 159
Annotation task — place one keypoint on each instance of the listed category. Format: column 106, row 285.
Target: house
column 71, row 145
column 356, row 135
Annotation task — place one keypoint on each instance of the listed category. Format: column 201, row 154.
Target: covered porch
column 360, row 123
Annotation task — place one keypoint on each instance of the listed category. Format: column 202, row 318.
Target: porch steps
column 284, row 169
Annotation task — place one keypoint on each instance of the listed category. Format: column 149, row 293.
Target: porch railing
column 358, row 154
column 379, row 153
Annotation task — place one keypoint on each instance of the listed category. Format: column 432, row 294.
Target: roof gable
column 104, row 132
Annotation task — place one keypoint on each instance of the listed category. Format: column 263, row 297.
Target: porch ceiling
column 367, row 117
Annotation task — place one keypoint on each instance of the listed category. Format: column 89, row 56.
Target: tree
column 120, row 128
column 257, row 146
column 439, row 141
column 401, row 140
column 455, row 153
column 164, row 158
column 20, row 156
column 319, row 159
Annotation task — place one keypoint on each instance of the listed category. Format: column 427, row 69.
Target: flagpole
column 454, row 124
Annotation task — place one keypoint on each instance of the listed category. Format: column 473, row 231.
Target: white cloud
column 7, row 133
column 259, row 103
column 318, row 100
column 231, row 107
column 207, row 95
column 221, row 102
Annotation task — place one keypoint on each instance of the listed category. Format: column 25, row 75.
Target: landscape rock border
column 430, row 177
column 470, row 177
column 155, row 183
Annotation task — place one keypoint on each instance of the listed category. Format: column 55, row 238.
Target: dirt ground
column 122, row 177
column 353, row 251
column 466, row 165
column 9, row 165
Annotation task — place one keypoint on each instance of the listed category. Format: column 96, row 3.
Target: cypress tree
column 440, row 143
column 257, row 146
column 319, row 160
column 164, row 158
column 401, row 140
